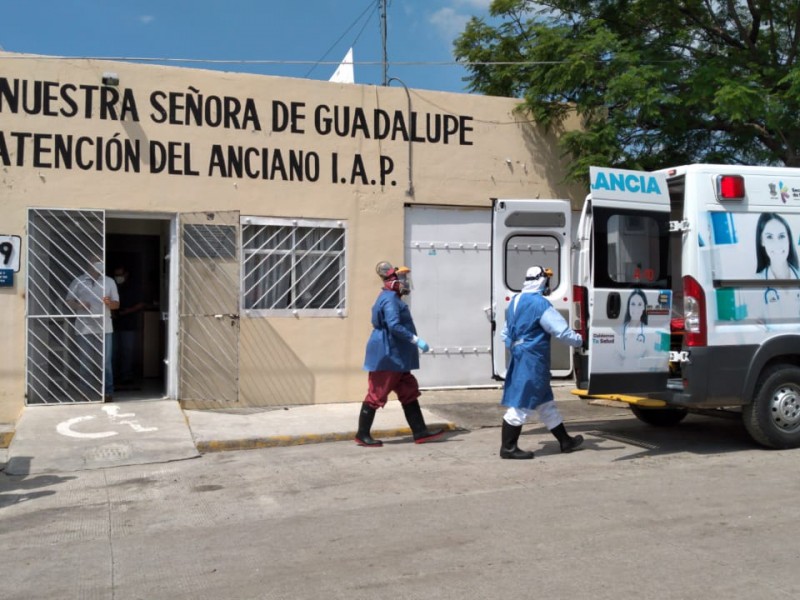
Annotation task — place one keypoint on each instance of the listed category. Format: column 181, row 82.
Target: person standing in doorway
column 93, row 295
column 392, row 353
column 126, row 326
column 530, row 322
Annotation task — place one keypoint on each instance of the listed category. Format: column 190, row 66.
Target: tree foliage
column 656, row 82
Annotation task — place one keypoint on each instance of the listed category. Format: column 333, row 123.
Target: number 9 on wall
column 9, row 252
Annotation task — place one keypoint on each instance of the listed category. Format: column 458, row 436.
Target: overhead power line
column 419, row 63
column 372, row 5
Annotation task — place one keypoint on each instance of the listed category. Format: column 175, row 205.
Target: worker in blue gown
column 530, row 323
column 392, row 353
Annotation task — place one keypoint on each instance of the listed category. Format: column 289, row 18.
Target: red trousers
column 381, row 383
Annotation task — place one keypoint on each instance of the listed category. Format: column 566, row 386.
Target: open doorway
column 136, row 256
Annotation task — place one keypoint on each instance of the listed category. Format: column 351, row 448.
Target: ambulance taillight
column 730, row 187
column 581, row 311
column 694, row 312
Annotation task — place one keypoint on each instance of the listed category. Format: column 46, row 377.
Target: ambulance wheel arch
column 772, row 418
column 777, row 350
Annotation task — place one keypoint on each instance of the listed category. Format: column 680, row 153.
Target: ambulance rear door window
column 631, row 249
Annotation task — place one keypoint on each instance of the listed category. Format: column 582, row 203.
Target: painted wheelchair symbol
column 114, row 416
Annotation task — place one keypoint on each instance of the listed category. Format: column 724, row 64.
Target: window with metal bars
column 294, row 267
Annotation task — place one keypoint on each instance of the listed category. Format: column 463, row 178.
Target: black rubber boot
column 509, row 448
column 416, row 421
column 365, row 419
column 568, row 443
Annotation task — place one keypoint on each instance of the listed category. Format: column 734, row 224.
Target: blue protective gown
column 530, row 322
column 390, row 346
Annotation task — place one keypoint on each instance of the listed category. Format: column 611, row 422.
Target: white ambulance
column 687, row 293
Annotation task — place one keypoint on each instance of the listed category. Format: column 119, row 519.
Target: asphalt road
column 696, row 511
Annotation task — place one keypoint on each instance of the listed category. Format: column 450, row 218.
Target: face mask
column 120, row 279
column 98, row 267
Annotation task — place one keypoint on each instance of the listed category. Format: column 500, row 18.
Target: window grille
column 294, row 267
column 209, row 241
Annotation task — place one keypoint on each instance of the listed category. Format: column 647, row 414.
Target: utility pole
column 383, row 41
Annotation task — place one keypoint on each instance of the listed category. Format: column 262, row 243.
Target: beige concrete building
column 250, row 212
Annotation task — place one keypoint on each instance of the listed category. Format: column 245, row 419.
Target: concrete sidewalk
column 91, row 436
column 216, row 430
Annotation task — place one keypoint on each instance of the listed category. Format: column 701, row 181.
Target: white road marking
column 65, row 428
column 112, row 412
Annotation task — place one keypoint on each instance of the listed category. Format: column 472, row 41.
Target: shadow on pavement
column 20, row 488
column 701, row 435
column 603, row 423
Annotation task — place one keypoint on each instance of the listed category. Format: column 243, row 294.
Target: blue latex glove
column 422, row 345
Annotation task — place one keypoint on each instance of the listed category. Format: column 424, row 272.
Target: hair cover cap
column 536, row 279
column 533, row 273
column 384, row 269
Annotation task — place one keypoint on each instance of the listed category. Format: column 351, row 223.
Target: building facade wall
column 62, row 131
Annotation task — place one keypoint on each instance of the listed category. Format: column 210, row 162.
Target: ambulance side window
column 631, row 249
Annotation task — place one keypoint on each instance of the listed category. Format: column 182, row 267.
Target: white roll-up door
column 448, row 251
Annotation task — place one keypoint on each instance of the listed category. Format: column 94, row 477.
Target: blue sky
column 251, row 30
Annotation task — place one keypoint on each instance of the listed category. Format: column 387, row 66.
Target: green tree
column 656, row 83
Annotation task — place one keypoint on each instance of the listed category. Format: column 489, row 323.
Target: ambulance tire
column 773, row 417
column 659, row 417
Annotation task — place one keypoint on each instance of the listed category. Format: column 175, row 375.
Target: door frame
column 520, row 217
column 172, row 315
column 625, row 357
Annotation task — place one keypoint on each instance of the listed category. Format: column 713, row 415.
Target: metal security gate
column 64, row 308
column 209, row 306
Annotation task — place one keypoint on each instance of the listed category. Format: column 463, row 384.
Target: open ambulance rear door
column 527, row 233
column 629, row 294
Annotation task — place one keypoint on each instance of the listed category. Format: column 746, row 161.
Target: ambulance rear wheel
column 773, row 417
column 659, row 417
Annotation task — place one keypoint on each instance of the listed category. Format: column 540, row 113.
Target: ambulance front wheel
column 773, row 417
column 659, row 417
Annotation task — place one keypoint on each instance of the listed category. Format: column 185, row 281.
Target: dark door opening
column 135, row 258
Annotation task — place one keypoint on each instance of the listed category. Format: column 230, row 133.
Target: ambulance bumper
column 714, row 377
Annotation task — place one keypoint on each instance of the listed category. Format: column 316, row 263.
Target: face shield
column 404, row 283
column 548, row 274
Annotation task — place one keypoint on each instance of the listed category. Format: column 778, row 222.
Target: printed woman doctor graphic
column 634, row 329
column 776, row 259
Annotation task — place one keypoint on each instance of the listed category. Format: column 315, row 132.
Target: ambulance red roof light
column 730, row 187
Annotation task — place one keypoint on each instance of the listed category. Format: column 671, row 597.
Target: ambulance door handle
column 613, row 305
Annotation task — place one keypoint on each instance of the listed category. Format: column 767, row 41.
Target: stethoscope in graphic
column 639, row 336
column 771, row 294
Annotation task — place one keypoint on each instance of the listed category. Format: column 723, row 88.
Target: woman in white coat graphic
column 634, row 332
column 776, row 259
